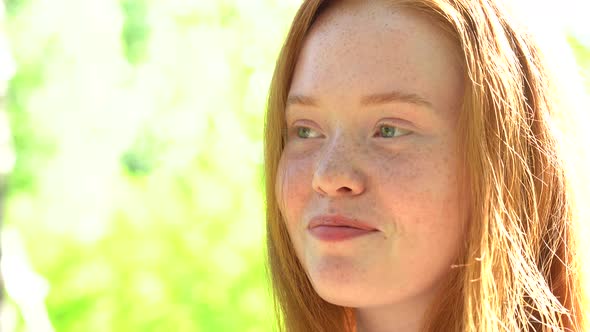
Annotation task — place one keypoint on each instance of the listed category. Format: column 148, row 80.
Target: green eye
column 388, row 131
column 304, row 132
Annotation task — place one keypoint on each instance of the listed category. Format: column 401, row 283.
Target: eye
column 306, row 132
column 389, row 131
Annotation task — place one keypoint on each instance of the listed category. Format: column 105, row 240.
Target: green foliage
column 135, row 32
column 137, row 190
column 13, row 6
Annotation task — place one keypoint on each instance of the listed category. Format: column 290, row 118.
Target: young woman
column 415, row 173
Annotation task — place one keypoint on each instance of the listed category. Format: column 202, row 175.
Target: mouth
column 338, row 228
column 338, row 233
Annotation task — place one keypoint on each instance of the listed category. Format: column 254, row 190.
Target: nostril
column 344, row 190
column 331, row 181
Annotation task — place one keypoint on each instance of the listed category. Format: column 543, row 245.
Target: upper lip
column 339, row 221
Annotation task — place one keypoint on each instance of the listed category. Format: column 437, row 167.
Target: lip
column 338, row 228
column 339, row 220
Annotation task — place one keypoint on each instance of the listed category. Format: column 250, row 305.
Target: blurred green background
column 134, row 202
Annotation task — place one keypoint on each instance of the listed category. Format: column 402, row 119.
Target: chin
column 340, row 288
column 340, row 298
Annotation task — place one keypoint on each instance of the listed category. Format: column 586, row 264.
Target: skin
column 407, row 186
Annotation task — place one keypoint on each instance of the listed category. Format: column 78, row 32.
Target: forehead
column 359, row 48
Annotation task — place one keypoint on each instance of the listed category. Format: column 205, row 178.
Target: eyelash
column 404, row 131
column 296, row 129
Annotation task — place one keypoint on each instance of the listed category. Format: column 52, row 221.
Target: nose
column 336, row 173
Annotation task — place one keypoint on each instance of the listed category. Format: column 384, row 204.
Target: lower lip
column 338, row 233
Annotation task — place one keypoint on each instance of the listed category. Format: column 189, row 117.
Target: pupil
column 387, row 131
column 303, row 132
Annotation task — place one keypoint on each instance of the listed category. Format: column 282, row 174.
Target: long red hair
column 521, row 266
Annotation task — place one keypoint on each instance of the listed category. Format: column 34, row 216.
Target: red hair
column 521, row 266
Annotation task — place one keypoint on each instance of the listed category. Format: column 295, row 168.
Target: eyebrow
column 369, row 100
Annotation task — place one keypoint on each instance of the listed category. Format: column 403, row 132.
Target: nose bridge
column 338, row 151
column 338, row 170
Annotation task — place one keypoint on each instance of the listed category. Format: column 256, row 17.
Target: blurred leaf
column 136, row 30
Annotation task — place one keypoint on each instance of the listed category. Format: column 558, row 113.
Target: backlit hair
column 521, row 266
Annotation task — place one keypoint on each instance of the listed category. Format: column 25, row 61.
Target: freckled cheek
column 293, row 186
column 419, row 183
column 395, row 173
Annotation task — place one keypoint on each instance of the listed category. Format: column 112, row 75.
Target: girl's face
column 372, row 137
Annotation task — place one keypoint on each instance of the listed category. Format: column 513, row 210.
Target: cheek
column 420, row 187
column 293, row 186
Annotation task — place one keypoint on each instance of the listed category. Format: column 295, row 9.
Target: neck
column 406, row 316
